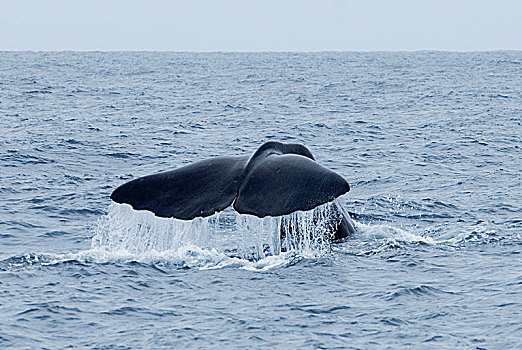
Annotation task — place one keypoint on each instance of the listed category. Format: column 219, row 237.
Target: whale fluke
column 277, row 180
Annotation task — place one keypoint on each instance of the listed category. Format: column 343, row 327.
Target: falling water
column 245, row 236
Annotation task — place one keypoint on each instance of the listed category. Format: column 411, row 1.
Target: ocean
column 430, row 143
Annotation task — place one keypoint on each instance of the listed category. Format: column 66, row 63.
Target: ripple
column 419, row 291
column 319, row 311
column 121, row 155
column 25, row 159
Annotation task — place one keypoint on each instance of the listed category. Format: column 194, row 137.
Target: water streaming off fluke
column 139, row 235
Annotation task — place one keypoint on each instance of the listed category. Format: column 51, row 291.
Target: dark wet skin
column 278, row 179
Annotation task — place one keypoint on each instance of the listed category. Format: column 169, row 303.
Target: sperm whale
column 277, row 180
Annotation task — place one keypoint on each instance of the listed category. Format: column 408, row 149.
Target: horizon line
column 260, row 51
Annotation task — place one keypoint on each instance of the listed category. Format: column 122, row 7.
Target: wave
column 191, row 257
column 417, row 291
column 223, row 240
column 232, row 240
column 383, row 238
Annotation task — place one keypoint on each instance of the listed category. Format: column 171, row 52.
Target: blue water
column 430, row 143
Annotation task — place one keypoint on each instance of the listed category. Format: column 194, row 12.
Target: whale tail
column 277, row 180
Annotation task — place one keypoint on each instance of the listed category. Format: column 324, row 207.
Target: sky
column 268, row 25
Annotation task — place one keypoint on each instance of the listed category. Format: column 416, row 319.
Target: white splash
column 388, row 233
column 222, row 240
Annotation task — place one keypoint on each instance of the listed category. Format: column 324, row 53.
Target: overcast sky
column 251, row 25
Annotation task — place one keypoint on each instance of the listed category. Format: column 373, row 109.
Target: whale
column 279, row 179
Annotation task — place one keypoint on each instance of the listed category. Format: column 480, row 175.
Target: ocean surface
column 430, row 143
